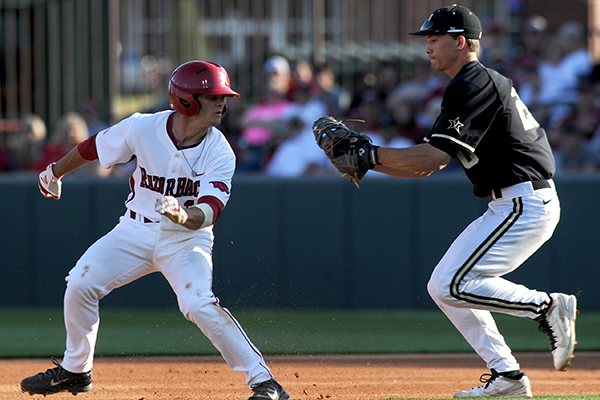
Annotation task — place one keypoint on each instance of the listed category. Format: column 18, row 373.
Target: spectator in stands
column 496, row 48
column 302, row 76
column 335, row 97
column 29, row 142
column 390, row 134
column 402, row 113
column 406, row 101
column 295, row 152
column 534, row 36
column 71, row 129
column 257, row 122
column 89, row 109
column 573, row 141
column 565, row 65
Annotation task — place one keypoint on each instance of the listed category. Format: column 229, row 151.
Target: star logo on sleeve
column 455, row 124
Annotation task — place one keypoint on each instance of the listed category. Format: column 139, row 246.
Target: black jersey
column 489, row 129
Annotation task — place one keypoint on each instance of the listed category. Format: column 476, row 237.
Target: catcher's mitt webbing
column 343, row 146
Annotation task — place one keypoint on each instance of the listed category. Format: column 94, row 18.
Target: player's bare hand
column 170, row 208
column 49, row 184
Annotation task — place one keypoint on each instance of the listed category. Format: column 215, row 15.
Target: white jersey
column 205, row 169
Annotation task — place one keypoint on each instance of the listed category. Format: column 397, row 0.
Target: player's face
column 212, row 108
column 442, row 51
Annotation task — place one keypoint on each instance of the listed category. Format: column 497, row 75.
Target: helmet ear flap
column 184, row 104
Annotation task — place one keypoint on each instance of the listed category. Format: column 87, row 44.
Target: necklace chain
column 194, row 173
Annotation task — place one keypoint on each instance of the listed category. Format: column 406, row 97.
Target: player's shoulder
column 475, row 78
column 472, row 74
column 218, row 141
column 145, row 122
column 214, row 134
column 144, row 116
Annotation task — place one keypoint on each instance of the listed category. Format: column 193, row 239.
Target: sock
column 516, row 375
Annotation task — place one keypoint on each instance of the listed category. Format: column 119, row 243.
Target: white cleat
column 559, row 325
column 498, row 386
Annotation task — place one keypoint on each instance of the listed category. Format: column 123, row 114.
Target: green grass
column 125, row 332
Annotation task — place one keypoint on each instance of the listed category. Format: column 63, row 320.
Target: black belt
column 543, row 184
column 133, row 215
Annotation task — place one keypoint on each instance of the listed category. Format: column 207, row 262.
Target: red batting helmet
column 197, row 77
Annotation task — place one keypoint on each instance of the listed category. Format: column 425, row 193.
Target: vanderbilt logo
column 179, row 187
column 455, row 124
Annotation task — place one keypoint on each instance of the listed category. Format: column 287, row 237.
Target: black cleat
column 269, row 390
column 57, row 380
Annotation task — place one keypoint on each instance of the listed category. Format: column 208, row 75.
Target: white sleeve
column 112, row 143
column 217, row 181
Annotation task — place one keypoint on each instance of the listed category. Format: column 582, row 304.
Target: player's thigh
column 187, row 265
column 498, row 242
column 116, row 259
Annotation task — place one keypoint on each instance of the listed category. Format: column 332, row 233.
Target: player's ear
column 461, row 43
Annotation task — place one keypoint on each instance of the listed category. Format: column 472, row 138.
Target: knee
column 206, row 313
column 80, row 284
column 198, row 308
column 438, row 289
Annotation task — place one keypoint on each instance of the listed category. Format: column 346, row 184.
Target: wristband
column 208, row 214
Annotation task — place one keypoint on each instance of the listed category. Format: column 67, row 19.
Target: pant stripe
column 485, row 246
column 243, row 333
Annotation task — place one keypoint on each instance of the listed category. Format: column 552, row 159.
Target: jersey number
column 526, row 118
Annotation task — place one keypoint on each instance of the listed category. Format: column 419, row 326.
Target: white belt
column 521, row 189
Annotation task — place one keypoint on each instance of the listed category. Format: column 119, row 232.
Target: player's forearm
column 397, row 173
column 411, row 162
column 195, row 219
column 69, row 163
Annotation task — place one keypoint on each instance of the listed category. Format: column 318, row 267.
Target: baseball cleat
column 497, row 385
column 57, row 380
column 268, row 390
column 559, row 324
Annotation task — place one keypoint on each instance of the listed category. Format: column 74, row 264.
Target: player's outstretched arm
column 70, row 162
column 411, row 162
column 49, row 180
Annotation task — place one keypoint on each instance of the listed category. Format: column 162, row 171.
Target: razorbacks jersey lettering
column 163, row 167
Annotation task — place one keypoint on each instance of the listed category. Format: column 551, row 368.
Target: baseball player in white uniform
column 181, row 184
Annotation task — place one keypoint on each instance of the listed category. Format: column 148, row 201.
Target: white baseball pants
column 134, row 249
column 467, row 283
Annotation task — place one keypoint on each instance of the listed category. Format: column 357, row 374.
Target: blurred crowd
column 552, row 72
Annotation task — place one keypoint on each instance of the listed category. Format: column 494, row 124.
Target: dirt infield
column 308, row 377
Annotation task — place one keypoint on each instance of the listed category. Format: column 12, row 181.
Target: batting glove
column 49, row 184
column 170, row 208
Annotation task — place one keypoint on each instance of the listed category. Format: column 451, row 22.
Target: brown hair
column 474, row 45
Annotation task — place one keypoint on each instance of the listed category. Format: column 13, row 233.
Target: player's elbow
column 430, row 167
column 435, row 163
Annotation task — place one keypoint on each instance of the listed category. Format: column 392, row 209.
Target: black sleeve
column 468, row 111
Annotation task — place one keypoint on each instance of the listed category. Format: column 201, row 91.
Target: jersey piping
column 485, row 246
column 455, row 140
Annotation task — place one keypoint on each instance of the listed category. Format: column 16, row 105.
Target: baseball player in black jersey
column 506, row 155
